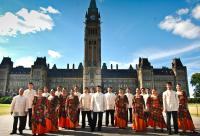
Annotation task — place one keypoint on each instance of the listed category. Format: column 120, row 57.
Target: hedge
column 194, row 100
column 6, row 100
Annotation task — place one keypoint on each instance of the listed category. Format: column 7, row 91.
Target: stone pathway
column 6, row 127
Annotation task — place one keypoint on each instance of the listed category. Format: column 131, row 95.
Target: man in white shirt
column 130, row 102
column 170, row 107
column 98, row 107
column 58, row 91
column 110, row 105
column 85, row 103
column 46, row 92
column 19, row 109
column 29, row 94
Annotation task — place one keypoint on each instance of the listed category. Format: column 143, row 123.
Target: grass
column 194, row 109
column 4, row 109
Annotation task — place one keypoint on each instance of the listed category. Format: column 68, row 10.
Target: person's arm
column 12, row 105
column 164, row 103
column 92, row 103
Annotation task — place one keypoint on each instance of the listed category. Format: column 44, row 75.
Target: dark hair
column 30, row 83
column 169, row 83
column 59, row 86
column 110, row 87
column 85, row 88
column 98, row 86
column 178, row 84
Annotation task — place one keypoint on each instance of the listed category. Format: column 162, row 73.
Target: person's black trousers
column 175, row 121
column 30, row 118
column 130, row 115
column 84, row 113
column 100, row 116
column 111, row 113
column 78, row 114
column 22, row 123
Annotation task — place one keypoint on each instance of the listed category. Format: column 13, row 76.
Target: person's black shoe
column 176, row 132
column 169, row 133
column 21, row 132
column 12, row 133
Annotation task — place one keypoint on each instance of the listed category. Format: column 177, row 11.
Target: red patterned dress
column 38, row 115
column 184, row 118
column 62, row 112
column 139, row 123
column 72, row 105
column 121, row 111
column 156, row 119
column 52, row 113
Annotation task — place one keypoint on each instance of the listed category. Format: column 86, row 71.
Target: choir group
column 49, row 111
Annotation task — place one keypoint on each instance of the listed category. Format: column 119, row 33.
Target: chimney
column 117, row 66
column 73, row 67
column 111, row 66
column 67, row 66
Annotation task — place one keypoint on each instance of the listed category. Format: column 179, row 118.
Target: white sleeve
column 164, row 101
column 92, row 103
column 13, row 104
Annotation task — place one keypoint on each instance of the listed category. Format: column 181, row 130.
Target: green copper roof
column 93, row 4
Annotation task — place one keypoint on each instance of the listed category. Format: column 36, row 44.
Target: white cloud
column 3, row 40
column 54, row 54
column 196, row 12
column 24, row 22
column 183, row 28
column 158, row 54
column 183, row 11
column 26, row 61
column 49, row 9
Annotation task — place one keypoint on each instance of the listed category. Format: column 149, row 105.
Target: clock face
column 92, row 17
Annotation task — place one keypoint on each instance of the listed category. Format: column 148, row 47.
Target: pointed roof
column 93, row 4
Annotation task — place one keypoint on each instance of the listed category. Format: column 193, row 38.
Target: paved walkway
column 6, row 127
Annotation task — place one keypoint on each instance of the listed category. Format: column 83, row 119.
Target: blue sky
column 158, row 29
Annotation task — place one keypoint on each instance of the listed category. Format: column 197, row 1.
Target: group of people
column 49, row 111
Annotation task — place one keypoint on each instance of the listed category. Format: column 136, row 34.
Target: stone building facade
column 92, row 72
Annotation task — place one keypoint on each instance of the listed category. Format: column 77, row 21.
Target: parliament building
column 92, row 72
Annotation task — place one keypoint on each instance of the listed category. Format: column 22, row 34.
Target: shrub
column 194, row 100
column 6, row 100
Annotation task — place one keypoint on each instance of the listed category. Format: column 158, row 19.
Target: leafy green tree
column 195, row 81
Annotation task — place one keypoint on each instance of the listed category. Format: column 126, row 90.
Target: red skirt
column 70, row 124
column 160, row 124
column 62, row 122
column 50, row 126
column 186, row 124
column 120, row 122
column 138, row 124
column 38, row 129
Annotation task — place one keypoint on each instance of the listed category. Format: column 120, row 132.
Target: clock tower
column 92, row 49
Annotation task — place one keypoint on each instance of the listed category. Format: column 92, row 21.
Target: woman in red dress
column 38, row 114
column 154, row 104
column 52, row 112
column 139, row 123
column 62, row 111
column 121, row 107
column 184, row 118
column 72, row 105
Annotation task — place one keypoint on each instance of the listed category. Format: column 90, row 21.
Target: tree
column 195, row 81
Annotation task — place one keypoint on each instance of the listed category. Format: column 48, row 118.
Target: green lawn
column 194, row 109
column 4, row 109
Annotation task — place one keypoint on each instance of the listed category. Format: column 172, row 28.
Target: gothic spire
column 93, row 4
